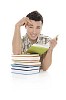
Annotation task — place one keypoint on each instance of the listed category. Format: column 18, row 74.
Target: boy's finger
column 28, row 20
column 56, row 38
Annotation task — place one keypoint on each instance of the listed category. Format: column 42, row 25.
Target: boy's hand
column 53, row 42
column 23, row 21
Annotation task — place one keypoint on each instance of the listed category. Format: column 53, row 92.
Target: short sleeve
column 43, row 39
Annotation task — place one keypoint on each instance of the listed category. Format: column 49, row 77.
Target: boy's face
column 34, row 29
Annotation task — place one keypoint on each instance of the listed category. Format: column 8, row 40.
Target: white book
column 25, row 61
column 26, row 55
column 26, row 58
column 29, row 63
column 29, row 72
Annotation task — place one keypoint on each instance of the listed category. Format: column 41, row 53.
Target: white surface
column 49, row 85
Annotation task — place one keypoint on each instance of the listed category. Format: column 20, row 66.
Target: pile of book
column 26, row 64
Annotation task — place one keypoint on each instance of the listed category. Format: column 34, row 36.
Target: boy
column 33, row 24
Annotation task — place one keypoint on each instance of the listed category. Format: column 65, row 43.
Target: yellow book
column 38, row 48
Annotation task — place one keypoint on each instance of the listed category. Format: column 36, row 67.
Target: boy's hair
column 35, row 15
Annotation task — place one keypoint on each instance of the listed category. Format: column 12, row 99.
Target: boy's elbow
column 45, row 68
column 16, row 52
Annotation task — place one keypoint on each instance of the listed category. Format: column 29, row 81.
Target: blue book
column 25, row 72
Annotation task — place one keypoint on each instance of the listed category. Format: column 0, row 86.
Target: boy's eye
column 30, row 27
column 38, row 27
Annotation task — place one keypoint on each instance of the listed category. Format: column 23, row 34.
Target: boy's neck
column 32, row 41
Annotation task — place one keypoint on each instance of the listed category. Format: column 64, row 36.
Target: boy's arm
column 47, row 58
column 17, row 42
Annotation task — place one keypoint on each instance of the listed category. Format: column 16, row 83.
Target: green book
column 38, row 48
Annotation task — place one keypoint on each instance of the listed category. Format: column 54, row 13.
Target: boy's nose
column 34, row 30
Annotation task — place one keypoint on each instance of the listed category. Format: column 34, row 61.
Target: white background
column 49, row 85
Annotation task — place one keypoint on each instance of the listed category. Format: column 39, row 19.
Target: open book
column 38, row 48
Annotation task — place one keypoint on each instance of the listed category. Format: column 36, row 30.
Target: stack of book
column 26, row 64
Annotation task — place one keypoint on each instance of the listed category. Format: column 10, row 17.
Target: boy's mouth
column 33, row 35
